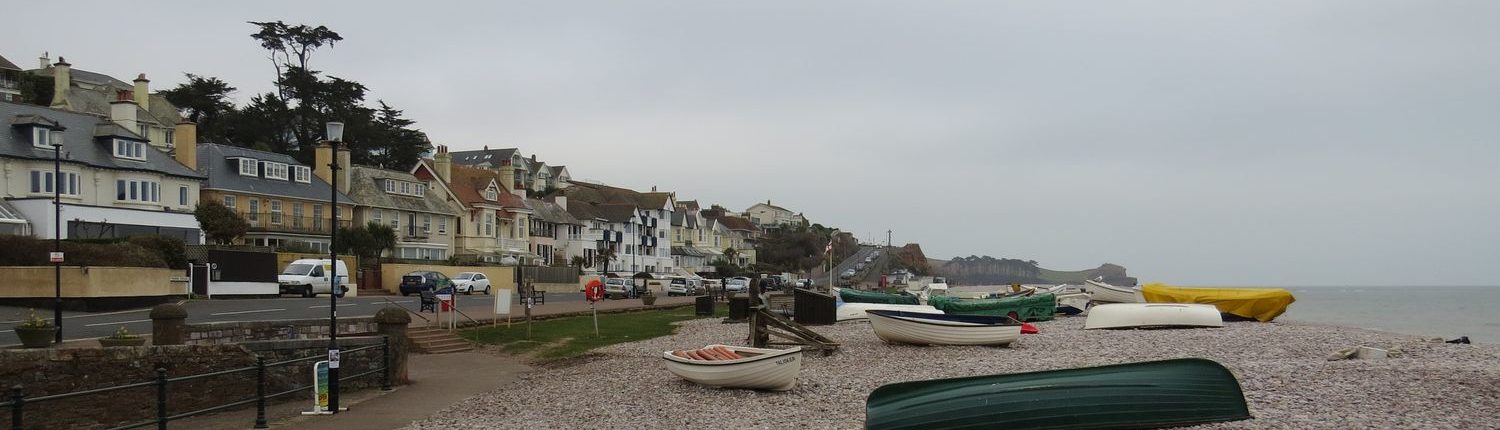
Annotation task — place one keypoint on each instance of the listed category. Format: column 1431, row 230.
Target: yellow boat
column 1263, row 304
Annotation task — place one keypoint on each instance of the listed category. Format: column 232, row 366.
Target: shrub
column 30, row 251
column 170, row 249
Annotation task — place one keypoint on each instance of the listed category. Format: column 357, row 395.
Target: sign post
column 320, row 389
column 594, row 292
column 502, row 306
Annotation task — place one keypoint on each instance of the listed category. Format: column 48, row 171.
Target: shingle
column 364, row 188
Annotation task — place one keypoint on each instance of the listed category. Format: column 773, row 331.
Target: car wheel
column 405, row 293
column 486, row 290
column 307, row 292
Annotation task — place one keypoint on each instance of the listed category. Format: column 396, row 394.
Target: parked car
column 738, row 284
column 678, row 286
column 847, row 274
column 469, row 282
column 415, row 282
column 860, row 266
column 308, row 278
column 616, row 288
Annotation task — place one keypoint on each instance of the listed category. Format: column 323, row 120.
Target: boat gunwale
column 759, row 357
column 939, row 321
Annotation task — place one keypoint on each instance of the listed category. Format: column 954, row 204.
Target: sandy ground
column 1282, row 367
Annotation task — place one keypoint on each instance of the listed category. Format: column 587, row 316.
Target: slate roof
column 654, row 200
column 622, row 213
column 7, row 65
column 737, row 223
column 691, row 205
column 551, row 212
column 483, row 157
column 557, row 170
column 96, row 101
column 583, row 211
column 224, row 174
column 365, row 186
column 689, row 251
column 680, row 218
column 80, row 146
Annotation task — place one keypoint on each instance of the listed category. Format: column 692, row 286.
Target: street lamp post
column 335, row 136
column 57, row 240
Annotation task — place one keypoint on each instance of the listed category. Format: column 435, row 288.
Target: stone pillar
column 168, row 324
column 393, row 321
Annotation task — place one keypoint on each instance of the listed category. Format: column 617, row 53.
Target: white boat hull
column 1152, row 315
column 1078, row 301
column 856, row 311
column 1106, row 293
column 769, row 369
column 928, row 332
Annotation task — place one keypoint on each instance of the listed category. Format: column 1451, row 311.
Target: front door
column 199, row 278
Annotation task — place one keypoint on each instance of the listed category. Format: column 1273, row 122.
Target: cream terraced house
column 113, row 183
column 424, row 223
column 148, row 115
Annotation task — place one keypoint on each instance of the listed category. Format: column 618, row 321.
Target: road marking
column 246, row 312
column 401, row 301
column 324, row 306
column 66, row 317
column 117, row 322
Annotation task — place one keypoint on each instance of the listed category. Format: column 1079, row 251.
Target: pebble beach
column 1283, row 368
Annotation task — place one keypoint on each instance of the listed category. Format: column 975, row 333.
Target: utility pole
column 887, row 238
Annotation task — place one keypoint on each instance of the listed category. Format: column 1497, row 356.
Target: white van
column 309, row 277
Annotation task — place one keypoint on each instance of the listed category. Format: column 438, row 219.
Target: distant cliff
column 986, row 270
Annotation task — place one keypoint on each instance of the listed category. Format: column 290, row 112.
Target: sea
column 1446, row 312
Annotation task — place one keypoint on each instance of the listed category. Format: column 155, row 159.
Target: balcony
column 277, row 222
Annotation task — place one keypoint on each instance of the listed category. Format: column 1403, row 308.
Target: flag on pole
column 829, row 248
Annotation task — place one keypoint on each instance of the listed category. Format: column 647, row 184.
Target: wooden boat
column 1106, row 293
column 1042, row 307
column 1152, row 315
column 856, row 311
column 850, row 295
column 761, row 369
column 943, row 329
column 1073, row 304
column 1260, row 304
column 1154, row 394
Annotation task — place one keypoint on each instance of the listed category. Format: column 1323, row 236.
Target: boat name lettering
column 786, row 360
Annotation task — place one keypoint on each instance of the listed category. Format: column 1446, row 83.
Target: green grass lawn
column 562, row 338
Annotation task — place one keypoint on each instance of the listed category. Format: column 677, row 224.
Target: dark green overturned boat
column 1040, row 307
column 850, row 295
column 1153, row 394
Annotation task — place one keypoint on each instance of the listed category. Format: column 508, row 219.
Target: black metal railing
column 162, row 383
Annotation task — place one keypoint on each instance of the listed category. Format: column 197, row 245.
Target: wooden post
column 529, row 297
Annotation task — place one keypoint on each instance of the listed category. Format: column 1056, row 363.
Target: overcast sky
column 1198, row 143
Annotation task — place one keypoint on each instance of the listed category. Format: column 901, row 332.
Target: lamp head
column 335, row 132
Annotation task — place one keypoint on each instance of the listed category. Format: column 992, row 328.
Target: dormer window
column 249, row 167
column 490, row 194
column 274, row 170
column 404, row 188
column 130, row 149
column 302, row 174
column 43, row 137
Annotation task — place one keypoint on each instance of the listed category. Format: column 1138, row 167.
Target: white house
column 113, row 182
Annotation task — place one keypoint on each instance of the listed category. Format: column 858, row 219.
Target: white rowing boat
column 761, row 369
column 1106, row 293
column 944, row 329
column 1152, row 315
column 856, row 311
column 1073, row 304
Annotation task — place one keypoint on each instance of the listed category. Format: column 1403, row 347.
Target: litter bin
column 739, row 307
column 705, row 306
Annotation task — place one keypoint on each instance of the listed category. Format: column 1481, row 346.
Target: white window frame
column 442, row 224
column 274, row 170
column 42, row 182
column 427, row 223
column 490, row 194
column 302, row 174
column 229, row 201
column 252, row 210
column 421, row 190
column 129, row 149
column 42, row 137
column 182, row 195
column 390, row 186
column 375, row 216
column 249, row 167
column 275, row 211
column 137, row 190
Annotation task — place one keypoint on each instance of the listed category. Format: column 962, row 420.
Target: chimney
column 143, row 92
column 46, row 61
column 507, row 176
column 561, row 201
column 123, row 112
column 62, row 79
column 322, row 157
column 186, row 137
column 343, row 154
column 442, row 164
column 653, row 188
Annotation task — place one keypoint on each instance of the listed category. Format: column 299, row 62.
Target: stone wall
column 91, row 288
column 42, row 372
column 236, row 332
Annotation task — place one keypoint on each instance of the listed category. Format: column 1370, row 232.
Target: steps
column 437, row 341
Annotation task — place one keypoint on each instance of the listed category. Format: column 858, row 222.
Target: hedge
column 31, row 251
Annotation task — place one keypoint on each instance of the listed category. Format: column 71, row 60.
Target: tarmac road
column 85, row 325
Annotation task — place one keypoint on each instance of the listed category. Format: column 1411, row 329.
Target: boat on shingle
column 918, row 328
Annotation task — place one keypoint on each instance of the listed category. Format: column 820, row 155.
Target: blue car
column 416, row 282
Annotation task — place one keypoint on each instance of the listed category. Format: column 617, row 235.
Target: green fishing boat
column 1155, row 394
column 1039, row 307
column 850, row 295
